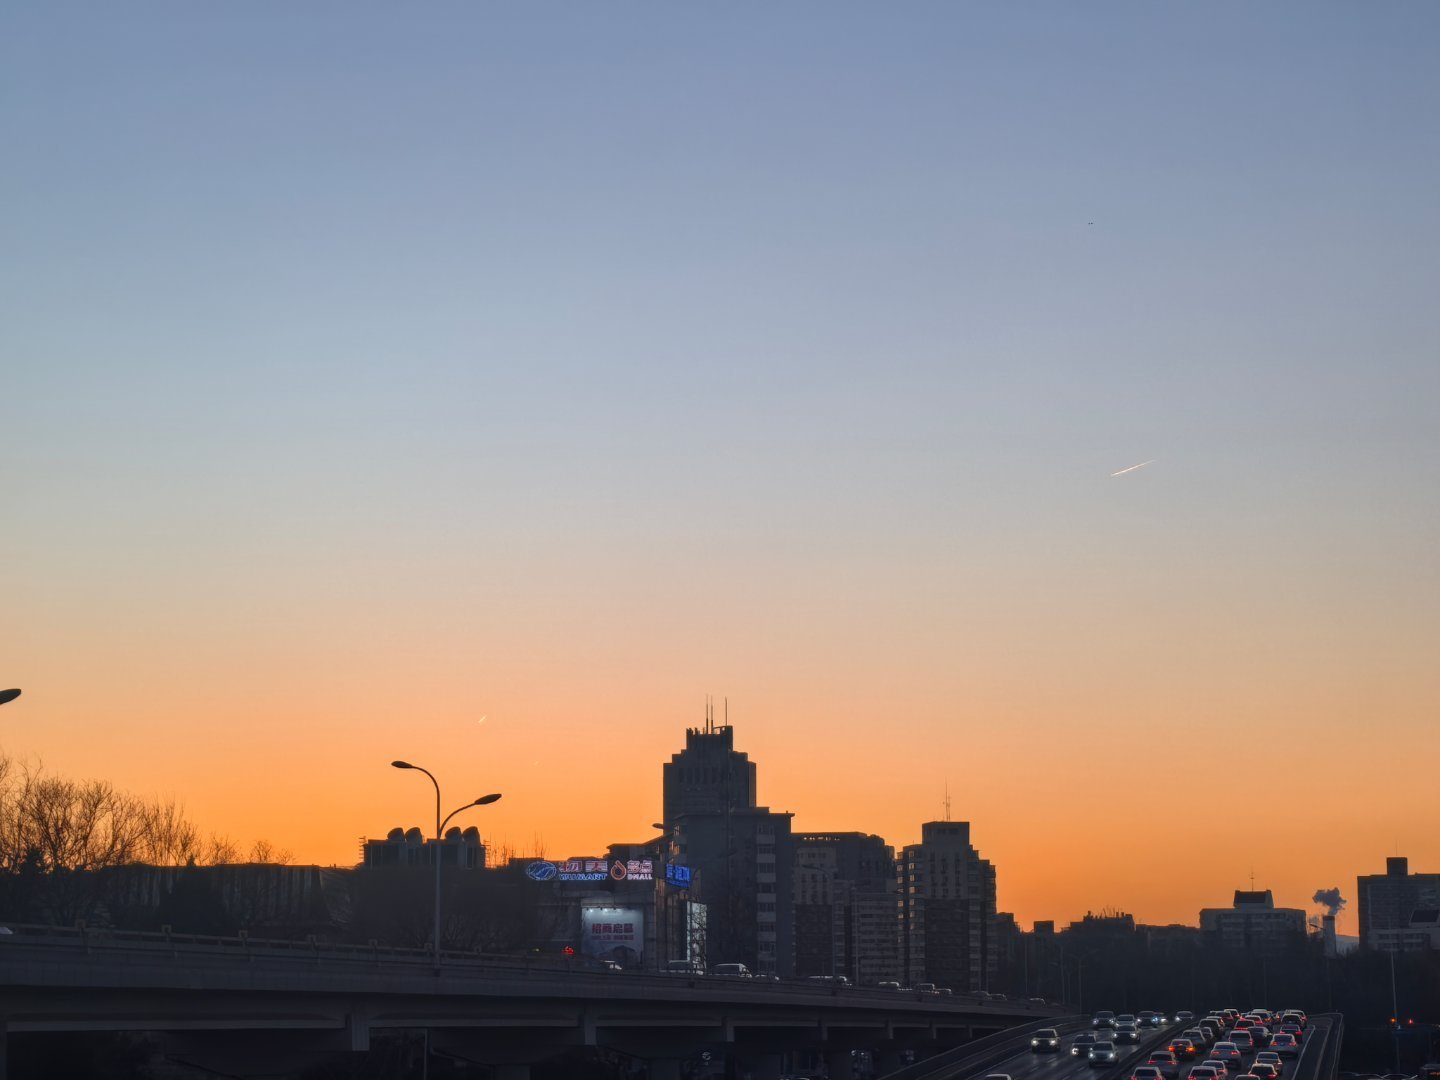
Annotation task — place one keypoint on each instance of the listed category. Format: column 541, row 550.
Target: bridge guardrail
column 244, row 949
column 980, row 1053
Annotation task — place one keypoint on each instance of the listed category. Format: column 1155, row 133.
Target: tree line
column 59, row 837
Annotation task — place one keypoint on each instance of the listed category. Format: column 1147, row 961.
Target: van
column 683, row 967
column 733, row 971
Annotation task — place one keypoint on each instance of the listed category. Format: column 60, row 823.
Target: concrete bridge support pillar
column 839, row 1065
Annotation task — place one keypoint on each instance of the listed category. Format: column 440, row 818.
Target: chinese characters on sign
column 598, row 870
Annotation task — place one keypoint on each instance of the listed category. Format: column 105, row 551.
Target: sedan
column 1269, row 1057
column 1081, row 1044
column 1265, row 1071
column 1229, row 1053
column 1104, row 1053
column 1145, row 1072
column 1220, row 1068
column 1182, row 1046
column 1286, row 1045
column 1126, row 1032
column 1165, row 1061
column 1206, row 1072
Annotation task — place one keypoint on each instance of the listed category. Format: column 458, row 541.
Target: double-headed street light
column 484, row 800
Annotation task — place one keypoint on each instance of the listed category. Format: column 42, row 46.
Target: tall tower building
column 740, row 855
column 947, row 910
column 709, row 776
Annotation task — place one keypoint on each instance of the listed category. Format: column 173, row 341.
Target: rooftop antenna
column 1252, row 879
column 727, row 710
column 947, row 801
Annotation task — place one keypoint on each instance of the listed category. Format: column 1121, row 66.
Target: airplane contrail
column 1132, row 468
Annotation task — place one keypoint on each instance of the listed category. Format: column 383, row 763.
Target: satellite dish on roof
column 8, row 695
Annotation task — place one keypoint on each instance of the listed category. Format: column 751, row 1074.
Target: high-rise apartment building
column 1389, row 903
column 740, row 854
column 845, row 914
column 947, row 909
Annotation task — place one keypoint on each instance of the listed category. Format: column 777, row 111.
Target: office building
column 740, row 855
column 947, row 910
column 1389, row 904
column 1253, row 924
column 845, row 908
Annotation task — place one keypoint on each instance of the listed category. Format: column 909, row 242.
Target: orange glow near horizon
column 1091, row 813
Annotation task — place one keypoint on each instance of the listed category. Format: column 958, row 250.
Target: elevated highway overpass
column 255, row 1007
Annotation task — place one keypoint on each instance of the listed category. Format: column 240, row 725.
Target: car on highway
column 1215, row 1065
column 1242, row 1039
column 1197, row 1036
column 1103, row 1019
column 1044, row 1041
column 1289, row 1027
column 1126, row 1032
column 998, row 1076
column 1145, row 1072
column 1166, row 1062
column 1213, row 1027
column 1104, row 1053
column 1227, row 1051
column 926, row 988
column 887, row 984
column 1269, row 1057
column 1265, row 1070
column 1126, row 1018
column 1182, row 1046
column 731, row 971
column 1429, row 1071
column 1205, row 1072
column 1081, row 1044
column 1286, row 1045
column 1184, row 1016
column 1260, row 1035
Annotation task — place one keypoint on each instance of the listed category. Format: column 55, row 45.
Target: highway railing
column 100, row 944
column 985, row 1052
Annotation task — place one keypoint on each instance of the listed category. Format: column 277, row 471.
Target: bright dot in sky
column 482, row 719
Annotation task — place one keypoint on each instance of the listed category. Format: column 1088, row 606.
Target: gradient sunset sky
column 372, row 370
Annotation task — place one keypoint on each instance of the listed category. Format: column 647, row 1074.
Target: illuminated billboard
column 613, row 933
column 591, row 870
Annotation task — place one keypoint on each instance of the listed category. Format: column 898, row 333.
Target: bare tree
column 59, row 839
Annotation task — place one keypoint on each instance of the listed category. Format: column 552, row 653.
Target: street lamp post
column 484, row 800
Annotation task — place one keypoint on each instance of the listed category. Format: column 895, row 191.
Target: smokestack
column 1327, row 936
column 1329, row 899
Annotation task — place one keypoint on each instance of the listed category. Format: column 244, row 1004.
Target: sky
column 486, row 384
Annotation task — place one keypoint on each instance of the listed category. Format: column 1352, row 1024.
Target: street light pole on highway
column 484, row 800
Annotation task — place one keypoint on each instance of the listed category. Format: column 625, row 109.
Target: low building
column 403, row 847
column 1253, row 923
